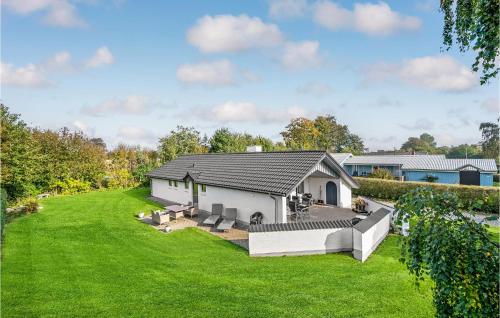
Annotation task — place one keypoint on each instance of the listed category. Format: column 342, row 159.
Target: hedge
column 483, row 199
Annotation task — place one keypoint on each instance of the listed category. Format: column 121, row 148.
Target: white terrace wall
column 246, row 202
column 369, row 233
column 179, row 194
column 300, row 242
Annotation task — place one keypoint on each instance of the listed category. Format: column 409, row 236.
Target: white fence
column 320, row 237
column 369, row 233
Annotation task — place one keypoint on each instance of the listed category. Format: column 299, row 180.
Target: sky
column 131, row 71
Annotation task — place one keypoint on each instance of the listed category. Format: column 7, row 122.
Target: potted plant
column 360, row 204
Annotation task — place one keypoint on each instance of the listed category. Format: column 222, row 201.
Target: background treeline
column 35, row 161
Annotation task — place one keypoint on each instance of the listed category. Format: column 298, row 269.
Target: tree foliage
column 474, row 24
column 452, row 250
column 322, row 133
column 224, row 140
column 424, row 143
column 490, row 140
column 181, row 141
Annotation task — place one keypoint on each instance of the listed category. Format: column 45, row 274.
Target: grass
column 87, row 256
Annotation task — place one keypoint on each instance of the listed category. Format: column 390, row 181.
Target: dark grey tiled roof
column 375, row 217
column 266, row 172
column 304, row 226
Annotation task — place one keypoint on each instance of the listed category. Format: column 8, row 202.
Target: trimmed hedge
column 483, row 199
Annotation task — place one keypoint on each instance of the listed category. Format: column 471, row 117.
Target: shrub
column 430, row 178
column 31, row 205
column 70, row 186
column 382, row 173
column 484, row 199
column 3, row 208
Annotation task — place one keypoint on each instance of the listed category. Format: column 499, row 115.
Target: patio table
column 176, row 211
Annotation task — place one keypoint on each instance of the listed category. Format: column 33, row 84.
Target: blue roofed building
column 436, row 168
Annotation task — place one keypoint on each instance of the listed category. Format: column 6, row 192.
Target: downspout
column 275, row 208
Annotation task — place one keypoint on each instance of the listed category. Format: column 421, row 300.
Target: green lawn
column 86, row 255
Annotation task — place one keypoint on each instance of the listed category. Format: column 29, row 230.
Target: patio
column 327, row 213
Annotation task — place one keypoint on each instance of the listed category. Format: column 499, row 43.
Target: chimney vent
column 254, row 148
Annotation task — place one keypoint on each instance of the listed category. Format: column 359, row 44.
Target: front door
column 195, row 194
column 331, row 193
column 470, row 177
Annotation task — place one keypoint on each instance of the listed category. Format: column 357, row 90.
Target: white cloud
column 228, row 33
column 59, row 61
column 37, row 74
column 384, row 101
column 315, row 88
column 134, row 105
column 301, row 55
column 442, row 73
column 420, row 124
column 332, row 16
column 287, row 8
column 57, row 12
column 102, row 56
column 232, row 111
column 134, row 133
column 30, row 75
column 84, row 128
column 207, row 73
column 369, row 18
column 491, row 105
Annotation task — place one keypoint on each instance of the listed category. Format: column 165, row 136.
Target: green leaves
column 476, row 24
column 452, row 250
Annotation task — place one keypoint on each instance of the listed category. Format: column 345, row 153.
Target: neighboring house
column 253, row 181
column 426, row 167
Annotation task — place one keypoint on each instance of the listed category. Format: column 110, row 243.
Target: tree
column 474, row 24
column 490, row 140
column 223, row 140
column 183, row 140
column 464, row 151
column 454, row 251
column 424, row 143
column 20, row 165
column 322, row 133
column 300, row 134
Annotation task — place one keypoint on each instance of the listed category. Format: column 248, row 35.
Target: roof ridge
column 251, row 153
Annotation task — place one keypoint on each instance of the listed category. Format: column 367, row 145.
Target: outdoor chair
column 216, row 215
column 192, row 211
column 160, row 217
column 228, row 219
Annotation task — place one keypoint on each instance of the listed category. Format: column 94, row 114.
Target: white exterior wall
column 281, row 243
column 365, row 243
column 314, row 184
column 345, row 195
column 246, row 202
column 161, row 189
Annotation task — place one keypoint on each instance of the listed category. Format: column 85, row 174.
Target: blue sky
column 130, row 71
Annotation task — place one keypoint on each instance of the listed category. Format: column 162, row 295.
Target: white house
column 253, row 181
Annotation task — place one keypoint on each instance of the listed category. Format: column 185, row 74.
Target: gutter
column 275, row 207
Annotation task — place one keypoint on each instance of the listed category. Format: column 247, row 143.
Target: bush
column 3, row 208
column 31, row 205
column 382, row 173
column 70, row 186
column 484, row 199
column 430, row 178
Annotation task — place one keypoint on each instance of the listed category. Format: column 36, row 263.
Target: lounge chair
column 215, row 216
column 159, row 217
column 228, row 219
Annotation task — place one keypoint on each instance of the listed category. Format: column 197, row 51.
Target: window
column 175, row 183
column 186, row 185
column 203, row 188
column 300, row 188
column 170, row 182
